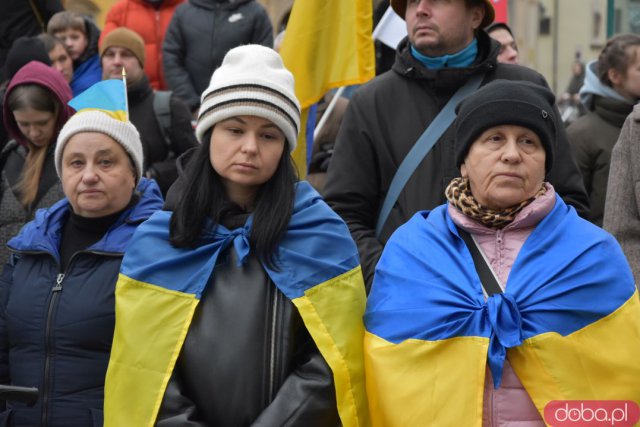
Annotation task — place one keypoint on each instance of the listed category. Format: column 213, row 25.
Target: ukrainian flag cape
column 160, row 286
column 569, row 322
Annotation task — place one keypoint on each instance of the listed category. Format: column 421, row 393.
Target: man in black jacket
column 445, row 47
column 124, row 48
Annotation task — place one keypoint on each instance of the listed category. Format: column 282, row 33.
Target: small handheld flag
column 108, row 96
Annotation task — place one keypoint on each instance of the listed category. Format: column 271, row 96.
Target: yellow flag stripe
column 339, row 339
column 597, row 362
column 145, row 349
column 116, row 114
column 425, row 383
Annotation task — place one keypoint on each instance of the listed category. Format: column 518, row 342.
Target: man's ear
column 477, row 14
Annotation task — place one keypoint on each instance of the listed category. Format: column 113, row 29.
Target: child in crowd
column 80, row 36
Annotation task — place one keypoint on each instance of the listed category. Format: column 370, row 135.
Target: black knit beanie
column 506, row 102
column 24, row 50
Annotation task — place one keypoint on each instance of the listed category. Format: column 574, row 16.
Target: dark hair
column 50, row 42
column 615, row 55
column 498, row 26
column 204, row 196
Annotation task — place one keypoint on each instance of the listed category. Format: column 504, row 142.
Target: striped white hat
column 252, row 81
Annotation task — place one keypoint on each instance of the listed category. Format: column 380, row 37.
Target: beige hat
column 124, row 37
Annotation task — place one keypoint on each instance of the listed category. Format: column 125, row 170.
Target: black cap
column 24, row 50
column 506, row 102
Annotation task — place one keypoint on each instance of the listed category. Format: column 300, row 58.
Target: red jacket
column 151, row 23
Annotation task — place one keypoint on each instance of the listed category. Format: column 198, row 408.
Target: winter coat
column 593, row 136
column 18, row 20
column 251, row 353
column 260, row 362
column 510, row 405
column 159, row 157
column 622, row 206
column 199, row 36
column 87, row 69
column 248, row 296
column 376, row 135
column 13, row 215
column 56, row 327
column 151, row 23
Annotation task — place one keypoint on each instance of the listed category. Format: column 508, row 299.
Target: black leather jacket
column 248, row 358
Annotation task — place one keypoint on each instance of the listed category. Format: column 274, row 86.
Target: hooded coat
column 593, row 136
column 199, row 36
column 13, row 215
column 87, row 69
column 150, row 20
column 56, row 327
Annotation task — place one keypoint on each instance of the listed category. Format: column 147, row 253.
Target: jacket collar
column 528, row 217
column 44, row 232
column 611, row 110
column 139, row 90
column 447, row 78
column 218, row 4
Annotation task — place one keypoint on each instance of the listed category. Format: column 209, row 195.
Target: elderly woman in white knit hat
column 241, row 275
column 57, row 291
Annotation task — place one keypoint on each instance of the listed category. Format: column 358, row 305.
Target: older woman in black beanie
column 503, row 297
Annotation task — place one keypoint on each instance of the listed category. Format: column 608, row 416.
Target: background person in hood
column 611, row 89
column 35, row 108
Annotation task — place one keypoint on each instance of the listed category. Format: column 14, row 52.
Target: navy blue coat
column 56, row 327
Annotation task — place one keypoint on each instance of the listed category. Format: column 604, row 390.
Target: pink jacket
column 510, row 405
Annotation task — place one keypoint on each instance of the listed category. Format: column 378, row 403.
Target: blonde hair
column 41, row 99
column 29, row 182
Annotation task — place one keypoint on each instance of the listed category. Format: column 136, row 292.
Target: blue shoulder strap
column 422, row 147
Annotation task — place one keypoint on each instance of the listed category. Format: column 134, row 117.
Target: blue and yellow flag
column 108, row 96
column 569, row 322
column 160, row 287
column 327, row 44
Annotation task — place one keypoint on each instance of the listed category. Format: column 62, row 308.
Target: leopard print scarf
column 459, row 195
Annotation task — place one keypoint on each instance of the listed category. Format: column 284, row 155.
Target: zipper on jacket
column 53, row 302
column 48, row 337
column 272, row 347
column 159, row 40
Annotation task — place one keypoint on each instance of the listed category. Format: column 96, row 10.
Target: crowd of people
column 163, row 263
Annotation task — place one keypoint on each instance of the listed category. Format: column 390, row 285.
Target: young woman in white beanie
column 57, row 291
column 241, row 277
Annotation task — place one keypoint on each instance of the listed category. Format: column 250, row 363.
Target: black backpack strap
column 162, row 111
column 488, row 280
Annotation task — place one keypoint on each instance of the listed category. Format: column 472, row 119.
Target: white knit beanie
column 252, row 81
column 124, row 133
